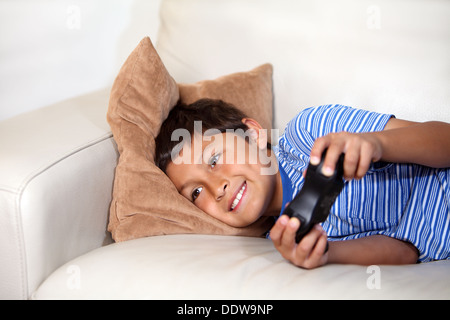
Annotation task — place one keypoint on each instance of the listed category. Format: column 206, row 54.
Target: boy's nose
column 220, row 189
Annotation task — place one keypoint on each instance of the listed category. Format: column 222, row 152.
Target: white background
column 52, row 50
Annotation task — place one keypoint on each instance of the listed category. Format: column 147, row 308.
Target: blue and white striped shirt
column 408, row 202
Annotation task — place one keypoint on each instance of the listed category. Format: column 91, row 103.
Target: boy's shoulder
column 306, row 126
column 322, row 120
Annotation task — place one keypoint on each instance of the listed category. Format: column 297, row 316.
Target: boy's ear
column 257, row 133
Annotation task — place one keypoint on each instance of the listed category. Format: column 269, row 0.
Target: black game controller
column 313, row 203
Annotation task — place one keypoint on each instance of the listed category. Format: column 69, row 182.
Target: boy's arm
column 426, row 143
column 402, row 141
column 377, row 249
column 309, row 253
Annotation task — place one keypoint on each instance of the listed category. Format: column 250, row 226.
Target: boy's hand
column 309, row 252
column 361, row 149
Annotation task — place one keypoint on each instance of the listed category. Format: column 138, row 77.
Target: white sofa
column 57, row 163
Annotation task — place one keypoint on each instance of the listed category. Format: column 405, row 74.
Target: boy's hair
column 213, row 114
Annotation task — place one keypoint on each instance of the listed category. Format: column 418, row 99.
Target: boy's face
column 222, row 175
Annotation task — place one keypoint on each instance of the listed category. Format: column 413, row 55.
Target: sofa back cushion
column 386, row 56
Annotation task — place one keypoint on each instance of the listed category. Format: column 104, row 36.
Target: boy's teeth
column 238, row 197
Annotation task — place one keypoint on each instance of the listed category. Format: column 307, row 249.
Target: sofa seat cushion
column 230, row 267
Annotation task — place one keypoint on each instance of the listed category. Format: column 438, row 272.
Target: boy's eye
column 213, row 160
column 196, row 193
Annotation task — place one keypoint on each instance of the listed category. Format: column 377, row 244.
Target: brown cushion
column 145, row 202
column 249, row 91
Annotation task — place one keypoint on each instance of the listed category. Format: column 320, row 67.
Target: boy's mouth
column 237, row 198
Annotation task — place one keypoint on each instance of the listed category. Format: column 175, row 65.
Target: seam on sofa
column 9, row 190
column 39, row 171
column 18, row 190
column 21, row 248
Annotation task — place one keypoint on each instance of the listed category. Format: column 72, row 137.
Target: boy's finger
column 288, row 237
column 307, row 244
column 364, row 163
column 316, row 151
column 329, row 164
column 278, row 228
column 320, row 248
column 351, row 163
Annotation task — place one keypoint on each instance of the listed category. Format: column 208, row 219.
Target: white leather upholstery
column 220, row 267
column 56, row 168
column 388, row 56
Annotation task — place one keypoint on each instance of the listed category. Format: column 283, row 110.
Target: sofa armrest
column 56, row 176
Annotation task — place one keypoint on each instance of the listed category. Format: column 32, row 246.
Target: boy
column 394, row 208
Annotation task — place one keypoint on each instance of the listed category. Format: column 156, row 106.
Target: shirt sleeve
column 315, row 122
column 320, row 121
column 294, row 146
